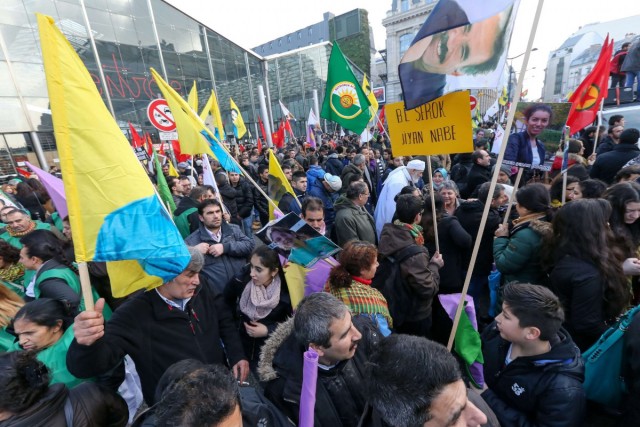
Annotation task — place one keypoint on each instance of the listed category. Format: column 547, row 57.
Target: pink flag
column 54, row 187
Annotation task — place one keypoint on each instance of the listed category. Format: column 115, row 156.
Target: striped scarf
column 361, row 298
column 414, row 229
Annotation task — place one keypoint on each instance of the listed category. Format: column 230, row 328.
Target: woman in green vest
column 55, row 276
column 42, row 326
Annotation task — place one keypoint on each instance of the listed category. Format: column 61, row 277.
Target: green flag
column 163, row 188
column 344, row 101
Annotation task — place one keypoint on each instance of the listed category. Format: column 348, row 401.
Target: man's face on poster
column 450, row 51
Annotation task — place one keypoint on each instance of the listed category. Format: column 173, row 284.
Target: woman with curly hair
column 350, row 281
column 11, row 271
column 587, row 273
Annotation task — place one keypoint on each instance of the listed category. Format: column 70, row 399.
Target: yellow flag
column 114, row 212
column 239, row 129
column 172, row 170
column 278, row 183
column 504, row 98
column 213, row 109
column 193, row 97
column 366, row 87
column 295, row 275
column 187, row 121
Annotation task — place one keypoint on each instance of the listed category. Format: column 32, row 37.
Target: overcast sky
column 252, row 22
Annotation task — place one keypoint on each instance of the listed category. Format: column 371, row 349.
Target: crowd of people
column 565, row 259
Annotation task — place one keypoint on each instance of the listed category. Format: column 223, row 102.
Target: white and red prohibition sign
column 160, row 115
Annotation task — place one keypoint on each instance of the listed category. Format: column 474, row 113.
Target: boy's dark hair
column 615, row 118
column 535, row 306
column 311, row 203
column 208, row 202
column 298, row 175
column 407, row 207
column 261, row 168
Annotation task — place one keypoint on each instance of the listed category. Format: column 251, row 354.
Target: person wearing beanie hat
column 396, row 181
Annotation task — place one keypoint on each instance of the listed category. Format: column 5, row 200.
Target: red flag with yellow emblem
column 586, row 99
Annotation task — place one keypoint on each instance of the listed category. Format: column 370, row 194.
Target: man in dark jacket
column 260, row 202
column 419, row 271
column 333, row 165
column 353, row 222
column 431, row 392
column 343, row 343
column 479, row 173
column 533, row 370
column 244, row 201
column 224, row 246
column 228, row 194
column 608, row 164
column 290, row 203
column 326, row 189
column 181, row 319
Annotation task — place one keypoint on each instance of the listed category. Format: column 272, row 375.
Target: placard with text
column 442, row 126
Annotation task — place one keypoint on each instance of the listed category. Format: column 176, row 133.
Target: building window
column 405, row 42
column 557, row 87
column 288, row 39
column 299, row 35
column 404, row 5
column 310, row 31
column 279, row 42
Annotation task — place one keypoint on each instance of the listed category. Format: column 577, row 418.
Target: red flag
column 161, row 149
column 278, row 136
column 176, row 151
column 287, row 126
column 148, row 144
column 259, row 145
column 264, row 134
column 23, row 172
column 381, row 120
column 135, row 137
column 586, row 99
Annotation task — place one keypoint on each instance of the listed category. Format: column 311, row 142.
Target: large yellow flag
column 114, row 212
column 189, row 126
column 366, row 87
column 193, row 97
column 213, row 108
column 278, row 183
column 239, row 129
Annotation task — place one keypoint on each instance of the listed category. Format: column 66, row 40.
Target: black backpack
column 394, row 287
column 258, row 411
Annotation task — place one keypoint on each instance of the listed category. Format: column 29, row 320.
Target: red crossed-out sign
column 160, row 115
column 473, row 101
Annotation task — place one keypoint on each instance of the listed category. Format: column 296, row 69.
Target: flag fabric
column 259, row 145
column 239, row 129
column 504, row 97
column 264, row 133
column 287, row 127
column 381, row 120
column 439, row 61
column 524, row 93
column 286, row 114
column 192, row 99
column 278, row 183
column 114, row 211
column 23, row 172
column 586, row 99
column 312, row 124
column 54, row 187
column 222, row 155
column 467, row 342
column 366, row 87
column 163, row 188
column 188, row 123
column 491, row 111
column 136, row 141
column 213, row 108
column 344, row 101
column 278, row 136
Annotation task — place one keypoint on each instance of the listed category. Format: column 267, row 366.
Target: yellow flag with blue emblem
column 213, row 108
column 366, row 87
column 114, row 212
column 239, row 129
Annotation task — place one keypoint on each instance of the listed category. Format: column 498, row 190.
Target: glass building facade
column 118, row 41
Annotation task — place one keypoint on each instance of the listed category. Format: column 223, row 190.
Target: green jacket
column 517, row 257
column 55, row 359
column 353, row 222
column 67, row 275
column 182, row 222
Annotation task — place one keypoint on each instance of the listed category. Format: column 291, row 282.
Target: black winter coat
column 244, row 198
column 232, row 293
column 228, row 194
column 92, row 406
column 608, row 164
column 469, row 214
column 543, row 390
column 156, row 336
column 334, row 165
column 259, row 201
column 580, row 286
column 454, row 243
column 478, row 175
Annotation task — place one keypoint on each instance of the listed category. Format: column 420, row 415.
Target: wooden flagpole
column 494, row 179
column 595, row 138
column 507, row 214
column 433, row 204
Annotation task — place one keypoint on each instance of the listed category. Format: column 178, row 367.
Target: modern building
column 568, row 65
column 118, row 41
column 351, row 30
